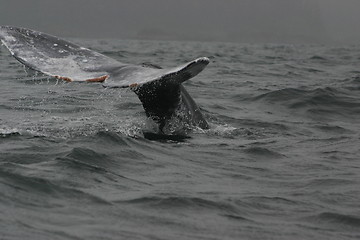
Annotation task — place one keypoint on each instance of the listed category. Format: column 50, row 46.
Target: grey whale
column 160, row 90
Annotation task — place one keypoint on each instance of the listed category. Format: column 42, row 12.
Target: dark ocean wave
column 319, row 58
column 343, row 221
column 320, row 101
column 185, row 203
column 260, row 152
column 326, row 182
column 333, row 129
column 111, row 139
column 34, row 185
column 353, row 83
column 82, row 158
column 266, row 204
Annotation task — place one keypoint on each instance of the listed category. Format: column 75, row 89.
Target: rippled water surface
column 281, row 160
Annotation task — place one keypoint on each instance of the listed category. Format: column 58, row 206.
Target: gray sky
column 282, row 21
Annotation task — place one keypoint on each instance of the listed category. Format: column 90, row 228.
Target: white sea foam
column 8, row 131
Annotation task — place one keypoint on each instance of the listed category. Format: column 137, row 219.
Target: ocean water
column 280, row 161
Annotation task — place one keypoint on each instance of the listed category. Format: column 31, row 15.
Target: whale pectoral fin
column 56, row 57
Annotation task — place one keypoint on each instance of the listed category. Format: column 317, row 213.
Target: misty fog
column 285, row 21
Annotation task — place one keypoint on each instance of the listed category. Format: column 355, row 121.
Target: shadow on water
column 165, row 137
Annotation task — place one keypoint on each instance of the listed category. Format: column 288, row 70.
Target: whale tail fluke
column 159, row 90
